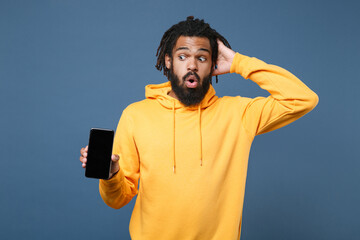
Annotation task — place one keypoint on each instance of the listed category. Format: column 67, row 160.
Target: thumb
column 114, row 165
column 115, row 158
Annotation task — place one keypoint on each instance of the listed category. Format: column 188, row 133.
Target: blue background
column 67, row 66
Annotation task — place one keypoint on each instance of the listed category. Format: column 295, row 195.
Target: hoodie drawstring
column 173, row 150
column 173, row 143
column 200, row 133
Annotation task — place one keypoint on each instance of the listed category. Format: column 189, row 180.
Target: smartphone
column 99, row 153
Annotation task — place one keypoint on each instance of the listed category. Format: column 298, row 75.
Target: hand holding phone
column 115, row 167
column 97, row 157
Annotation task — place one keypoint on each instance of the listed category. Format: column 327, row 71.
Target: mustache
column 192, row 73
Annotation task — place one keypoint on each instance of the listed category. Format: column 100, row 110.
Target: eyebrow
column 186, row 48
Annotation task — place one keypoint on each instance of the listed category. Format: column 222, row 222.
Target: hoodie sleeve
column 290, row 98
column 122, row 187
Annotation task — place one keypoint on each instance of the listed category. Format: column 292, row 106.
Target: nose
column 192, row 65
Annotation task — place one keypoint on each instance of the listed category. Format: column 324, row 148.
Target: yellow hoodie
column 192, row 162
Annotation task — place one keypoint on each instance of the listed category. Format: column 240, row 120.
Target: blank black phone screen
column 99, row 153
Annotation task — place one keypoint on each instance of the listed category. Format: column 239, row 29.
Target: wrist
column 231, row 56
column 238, row 62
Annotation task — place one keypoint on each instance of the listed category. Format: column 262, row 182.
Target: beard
column 189, row 96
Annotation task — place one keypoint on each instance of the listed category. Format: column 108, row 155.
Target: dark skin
column 196, row 50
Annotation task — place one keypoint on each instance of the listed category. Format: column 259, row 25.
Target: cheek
column 206, row 70
column 179, row 68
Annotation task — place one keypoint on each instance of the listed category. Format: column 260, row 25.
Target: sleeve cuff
column 238, row 64
column 116, row 179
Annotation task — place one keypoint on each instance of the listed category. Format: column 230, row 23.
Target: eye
column 202, row 59
column 182, row 57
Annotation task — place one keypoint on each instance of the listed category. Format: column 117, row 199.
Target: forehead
column 193, row 44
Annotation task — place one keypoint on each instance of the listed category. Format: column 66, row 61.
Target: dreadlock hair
column 190, row 28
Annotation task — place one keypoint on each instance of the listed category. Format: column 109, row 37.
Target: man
column 190, row 148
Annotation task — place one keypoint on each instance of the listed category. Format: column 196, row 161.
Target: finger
column 83, row 150
column 83, row 159
column 115, row 157
column 83, row 165
column 220, row 44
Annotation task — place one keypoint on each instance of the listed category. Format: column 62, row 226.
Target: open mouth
column 191, row 81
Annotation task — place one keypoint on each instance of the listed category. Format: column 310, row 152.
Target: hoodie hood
column 160, row 93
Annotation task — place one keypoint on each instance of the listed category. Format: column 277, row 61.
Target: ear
column 167, row 61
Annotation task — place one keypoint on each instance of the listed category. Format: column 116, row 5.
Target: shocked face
column 190, row 69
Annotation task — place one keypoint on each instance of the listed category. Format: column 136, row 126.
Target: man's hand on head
column 224, row 60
